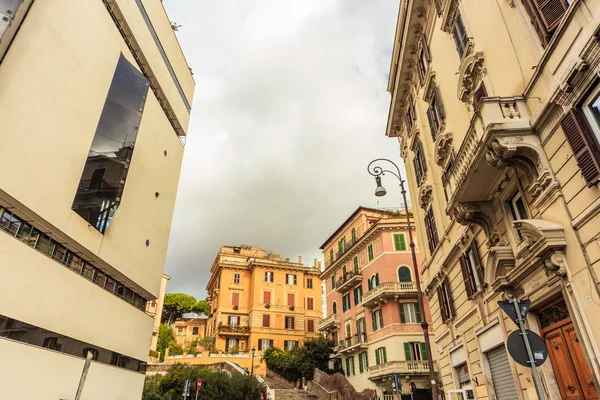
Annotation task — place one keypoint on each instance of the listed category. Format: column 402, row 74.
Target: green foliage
column 191, row 349
column 215, row 385
column 207, row 343
column 175, row 349
column 175, row 305
column 300, row 361
column 153, row 353
column 201, row 306
column 165, row 336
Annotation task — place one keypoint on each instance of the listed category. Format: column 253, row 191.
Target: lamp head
column 379, row 190
column 253, row 350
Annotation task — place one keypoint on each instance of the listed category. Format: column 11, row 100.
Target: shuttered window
column 309, row 283
column 370, row 251
column 460, row 35
column 331, row 257
column 399, row 242
column 235, row 299
column 310, row 303
column 357, row 295
column 584, row 144
column 310, row 325
column 431, row 230
column 380, row 355
column 266, row 320
column 435, row 113
column 355, row 261
column 291, row 299
column 419, row 164
column 377, row 319
column 472, row 270
column 410, row 313
column 267, row 297
column 424, row 60
column 411, row 116
column 545, row 15
column 445, row 301
column 289, row 323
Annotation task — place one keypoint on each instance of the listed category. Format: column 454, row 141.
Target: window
column 363, row 361
column 267, row 297
column 290, row 344
column 399, row 242
column 268, row 276
column 100, row 189
column 266, row 321
column 234, row 320
column 332, row 282
column 424, row 60
column 377, row 319
column 331, row 256
column 472, row 270
column 334, row 308
column 310, row 325
column 350, row 366
column 343, row 245
column 344, row 272
column 445, row 301
column 310, row 303
column 435, row 112
column 545, row 15
column 431, row 229
column 289, row 323
column 411, row 116
column 180, row 329
column 235, row 299
column 291, row 299
column 353, row 235
column 361, row 328
column 355, row 262
column 460, row 35
column 380, row 355
column 419, row 164
column 346, row 302
column 309, row 283
column 479, row 95
column 404, row 274
column 195, row 330
column 410, row 313
column 358, row 295
column 373, row 281
column 370, row 251
column 264, row 344
column 50, row 343
column 95, row 353
column 290, row 279
column 415, row 351
column 517, row 207
column 236, row 278
column 348, row 330
column 582, row 129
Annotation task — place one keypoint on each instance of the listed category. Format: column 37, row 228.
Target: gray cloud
column 290, row 107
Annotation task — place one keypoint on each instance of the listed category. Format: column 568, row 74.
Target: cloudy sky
column 290, row 107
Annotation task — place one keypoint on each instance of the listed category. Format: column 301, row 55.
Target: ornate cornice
column 471, row 72
column 449, row 15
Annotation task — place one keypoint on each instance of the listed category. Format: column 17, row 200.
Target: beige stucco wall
column 51, row 375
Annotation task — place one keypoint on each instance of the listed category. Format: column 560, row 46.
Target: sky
column 290, row 107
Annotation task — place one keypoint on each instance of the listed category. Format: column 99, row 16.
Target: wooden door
column 583, row 372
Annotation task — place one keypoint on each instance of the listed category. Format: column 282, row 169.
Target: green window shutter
column 352, row 364
column 377, row 279
column 355, row 263
column 370, row 252
column 402, row 241
column 407, row 353
column 377, row 359
column 373, row 319
column 402, row 315
column 369, row 284
column 331, row 256
column 353, row 235
column 417, row 312
column 384, row 355
column 347, row 367
column 366, row 360
column 332, row 282
column 344, row 271
column 399, row 242
column 380, row 319
column 360, row 363
column 424, row 355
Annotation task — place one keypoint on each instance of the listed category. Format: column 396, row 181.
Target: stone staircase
column 285, row 392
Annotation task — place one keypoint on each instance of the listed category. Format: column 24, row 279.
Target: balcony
column 330, row 322
column 233, row 330
column 352, row 344
column 381, row 371
column 389, row 290
column 347, row 281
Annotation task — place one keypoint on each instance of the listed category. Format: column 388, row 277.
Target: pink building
column 372, row 312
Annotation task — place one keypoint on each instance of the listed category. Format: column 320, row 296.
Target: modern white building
column 94, row 105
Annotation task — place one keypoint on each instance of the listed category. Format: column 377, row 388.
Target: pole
column 536, row 377
column 84, row 373
column 197, row 393
column 417, row 273
column 252, row 365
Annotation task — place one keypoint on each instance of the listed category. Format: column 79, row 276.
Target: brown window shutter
column 551, row 12
column 468, row 278
column 537, row 21
column 433, row 126
column 478, row 264
column 428, row 231
column 267, row 297
column 434, row 232
column 235, row 299
column 309, row 303
column 259, row 344
column 311, row 325
column 422, row 158
column 449, row 298
column 584, row 145
column 439, row 103
column 411, row 108
column 290, row 299
column 418, row 172
column 425, row 48
column 293, row 324
column 229, row 320
column 441, row 302
column 266, row 320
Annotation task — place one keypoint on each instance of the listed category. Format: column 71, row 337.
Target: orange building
column 188, row 328
column 259, row 299
column 372, row 311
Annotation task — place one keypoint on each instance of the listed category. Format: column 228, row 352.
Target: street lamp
column 377, row 171
column 252, row 364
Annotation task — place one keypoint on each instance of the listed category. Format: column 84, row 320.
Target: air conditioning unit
column 267, row 306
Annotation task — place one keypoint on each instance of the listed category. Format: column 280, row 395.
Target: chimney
column 315, row 263
column 299, row 259
column 319, row 263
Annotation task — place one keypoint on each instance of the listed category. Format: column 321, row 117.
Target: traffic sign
column 199, row 384
column 517, row 350
column 412, row 387
column 509, row 308
column 396, row 385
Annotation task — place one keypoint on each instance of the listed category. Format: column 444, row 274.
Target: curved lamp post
column 252, row 365
column 377, row 171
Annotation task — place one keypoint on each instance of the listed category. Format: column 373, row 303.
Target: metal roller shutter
column 502, row 377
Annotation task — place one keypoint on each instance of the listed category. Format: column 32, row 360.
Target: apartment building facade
column 189, row 328
column 95, row 95
column 495, row 106
column 155, row 307
column 258, row 299
column 372, row 313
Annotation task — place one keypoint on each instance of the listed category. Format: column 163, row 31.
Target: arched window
column 404, row 274
column 353, row 235
column 373, row 281
column 334, row 308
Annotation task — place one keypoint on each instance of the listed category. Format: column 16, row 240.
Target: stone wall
column 338, row 382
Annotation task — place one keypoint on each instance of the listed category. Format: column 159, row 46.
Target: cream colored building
column 94, row 107
column 495, row 106
column 189, row 328
column 155, row 307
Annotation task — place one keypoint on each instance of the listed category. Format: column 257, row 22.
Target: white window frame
column 265, row 344
column 415, row 350
column 378, row 320
column 289, row 279
column 410, row 313
column 236, row 278
column 269, row 276
column 587, row 112
column 471, row 265
column 235, row 320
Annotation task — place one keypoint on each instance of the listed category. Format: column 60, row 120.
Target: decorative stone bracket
column 481, row 214
column 471, row 72
column 443, row 146
column 425, row 196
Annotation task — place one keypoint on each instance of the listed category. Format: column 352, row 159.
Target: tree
column 175, row 305
column 300, row 361
column 200, row 307
column 165, row 336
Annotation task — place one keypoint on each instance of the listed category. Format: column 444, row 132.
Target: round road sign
column 516, row 348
